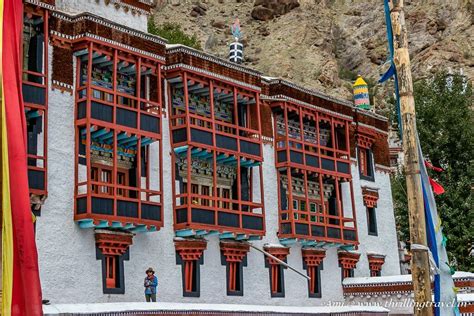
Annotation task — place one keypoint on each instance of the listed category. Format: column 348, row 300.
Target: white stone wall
column 70, row 272
column 110, row 11
column 385, row 243
column 68, row 269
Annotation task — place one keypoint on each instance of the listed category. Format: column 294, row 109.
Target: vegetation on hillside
column 173, row 33
column 445, row 123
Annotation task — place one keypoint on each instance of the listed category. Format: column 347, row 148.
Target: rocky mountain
column 324, row 44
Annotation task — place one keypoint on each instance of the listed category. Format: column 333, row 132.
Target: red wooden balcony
column 116, row 90
column 215, row 128
column 219, row 193
column 35, row 97
column 214, row 115
column 118, row 140
column 314, row 174
column 323, row 146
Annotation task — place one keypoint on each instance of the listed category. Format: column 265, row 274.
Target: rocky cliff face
column 323, row 44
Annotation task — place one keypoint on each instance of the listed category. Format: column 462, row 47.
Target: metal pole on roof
column 279, row 261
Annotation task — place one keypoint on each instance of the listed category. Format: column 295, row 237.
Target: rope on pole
column 279, row 261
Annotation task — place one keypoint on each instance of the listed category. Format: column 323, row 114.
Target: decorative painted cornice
column 234, row 251
column 41, row 4
column 63, row 87
column 190, row 250
column 278, row 252
column 210, row 74
column 375, row 261
column 113, row 243
column 178, row 48
column 108, row 41
column 99, row 20
column 348, row 260
column 309, row 91
column 401, row 284
column 313, row 257
column 134, row 9
column 281, row 97
column 370, row 196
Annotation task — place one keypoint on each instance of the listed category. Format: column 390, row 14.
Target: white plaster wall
column 98, row 7
column 68, row 269
column 385, row 243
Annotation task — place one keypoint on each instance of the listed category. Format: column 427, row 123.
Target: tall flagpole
column 420, row 269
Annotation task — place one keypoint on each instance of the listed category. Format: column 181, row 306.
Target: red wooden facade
column 312, row 156
column 35, row 96
column 215, row 125
column 118, row 137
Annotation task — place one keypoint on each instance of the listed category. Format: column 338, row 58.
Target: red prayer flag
column 437, row 188
column 430, row 165
column 24, row 292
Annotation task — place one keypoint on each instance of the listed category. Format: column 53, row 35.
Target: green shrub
column 173, row 33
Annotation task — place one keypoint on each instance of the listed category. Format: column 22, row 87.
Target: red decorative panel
column 113, row 243
column 375, row 263
column 313, row 257
column 364, row 141
column 278, row 252
column 190, row 250
column 348, row 260
column 234, row 251
column 370, row 197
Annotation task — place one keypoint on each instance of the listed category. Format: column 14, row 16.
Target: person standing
column 150, row 283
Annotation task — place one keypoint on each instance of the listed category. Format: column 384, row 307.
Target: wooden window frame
column 98, row 169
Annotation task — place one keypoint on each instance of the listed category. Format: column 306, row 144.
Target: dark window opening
column 366, row 169
column 191, row 278
column 234, row 278
column 113, row 280
column 33, row 48
column 375, row 273
column 314, row 284
column 277, row 280
column 347, row 273
column 371, row 221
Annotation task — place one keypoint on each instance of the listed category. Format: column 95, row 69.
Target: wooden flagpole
column 420, row 269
